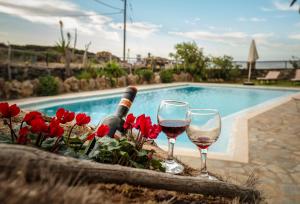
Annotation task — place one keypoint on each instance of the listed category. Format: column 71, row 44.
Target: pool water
column 227, row 100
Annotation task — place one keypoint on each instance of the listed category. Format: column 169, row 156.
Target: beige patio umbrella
column 252, row 57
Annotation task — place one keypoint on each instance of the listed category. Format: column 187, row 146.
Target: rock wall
column 22, row 73
column 21, row 89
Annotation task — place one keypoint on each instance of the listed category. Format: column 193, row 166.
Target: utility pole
column 124, row 30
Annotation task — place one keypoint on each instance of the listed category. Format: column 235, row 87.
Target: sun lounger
column 271, row 76
column 297, row 76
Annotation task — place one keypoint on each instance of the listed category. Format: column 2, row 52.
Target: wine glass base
column 209, row 177
column 172, row 167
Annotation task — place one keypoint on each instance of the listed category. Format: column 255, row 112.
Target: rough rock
column 35, row 84
column 122, row 82
column 132, row 79
column 27, row 89
column 84, row 85
column 92, row 84
column 71, row 84
column 60, row 82
column 156, row 78
column 100, row 83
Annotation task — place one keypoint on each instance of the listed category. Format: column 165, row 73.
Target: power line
column 78, row 15
column 107, row 5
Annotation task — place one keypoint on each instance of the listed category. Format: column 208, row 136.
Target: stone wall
column 22, row 73
column 21, row 89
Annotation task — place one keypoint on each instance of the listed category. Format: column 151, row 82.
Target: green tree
column 192, row 57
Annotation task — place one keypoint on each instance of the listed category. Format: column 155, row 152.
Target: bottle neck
column 123, row 107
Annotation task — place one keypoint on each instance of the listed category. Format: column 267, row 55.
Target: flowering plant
column 55, row 134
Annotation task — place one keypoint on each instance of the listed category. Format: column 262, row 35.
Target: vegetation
column 48, row 86
column 56, row 135
column 166, row 76
column 145, row 74
column 223, row 68
column 295, row 62
column 192, row 57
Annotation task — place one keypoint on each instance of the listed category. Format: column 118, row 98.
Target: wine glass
column 203, row 130
column 172, row 117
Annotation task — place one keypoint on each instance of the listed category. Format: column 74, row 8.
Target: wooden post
column 9, row 62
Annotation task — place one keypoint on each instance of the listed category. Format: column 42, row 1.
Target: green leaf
column 48, row 143
column 156, row 164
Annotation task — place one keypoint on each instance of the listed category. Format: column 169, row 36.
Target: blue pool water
column 227, row 100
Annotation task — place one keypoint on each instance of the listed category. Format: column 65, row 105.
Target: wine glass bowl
column 172, row 117
column 204, row 129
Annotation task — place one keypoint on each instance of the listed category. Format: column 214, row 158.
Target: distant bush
column 224, row 68
column 145, row 74
column 113, row 69
column 84, row 75
column 166, row 76
column 48, row 86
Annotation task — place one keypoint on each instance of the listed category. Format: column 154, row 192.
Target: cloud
column 138, row 29
column 49, row 12
column 295, row 37
column 284, row 6
column 229, row 37
column 253, row 19
column 193, row 21
column 266, row 9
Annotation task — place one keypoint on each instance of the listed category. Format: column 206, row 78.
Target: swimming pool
column 229, row 101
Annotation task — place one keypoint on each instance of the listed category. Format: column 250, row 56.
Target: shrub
column 48, row 86
column 113, row 69
column 145, row 74
column 166, row 76
column 85, row 74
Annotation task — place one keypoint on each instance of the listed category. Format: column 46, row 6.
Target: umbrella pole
column 249, row 73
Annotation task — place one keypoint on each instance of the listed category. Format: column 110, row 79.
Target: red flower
column 101, row 132
column 23, row 132
column 38, row 125
column 55, row 130
column 145, row 126
column 154, row 131
column 82, row 119
column 91, row 136
column 65, row 116
column 31, row 116
column 129, row 123
column 8, row 111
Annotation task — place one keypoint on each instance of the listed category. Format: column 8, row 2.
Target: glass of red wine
column 172, row 117
column 203, row 130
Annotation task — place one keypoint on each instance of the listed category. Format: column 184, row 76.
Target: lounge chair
column 297, row 76
column 271, row 76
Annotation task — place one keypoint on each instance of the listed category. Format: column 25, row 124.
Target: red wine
column 173, row 128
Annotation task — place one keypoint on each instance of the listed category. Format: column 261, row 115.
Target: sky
column 220, row 27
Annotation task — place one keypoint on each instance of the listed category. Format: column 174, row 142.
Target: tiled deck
column 274, row 155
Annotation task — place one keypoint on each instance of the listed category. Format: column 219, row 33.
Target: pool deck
column 274, row 155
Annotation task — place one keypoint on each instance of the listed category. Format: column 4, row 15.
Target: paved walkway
column 274, row 155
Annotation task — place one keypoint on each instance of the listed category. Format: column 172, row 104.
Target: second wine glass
column 173, row 119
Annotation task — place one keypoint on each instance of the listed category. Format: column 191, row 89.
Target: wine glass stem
column 203, row 161
column 171, row 148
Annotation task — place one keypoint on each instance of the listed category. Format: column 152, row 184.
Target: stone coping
column 238, row 146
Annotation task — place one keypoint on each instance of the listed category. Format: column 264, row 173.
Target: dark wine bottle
column 116, row 121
